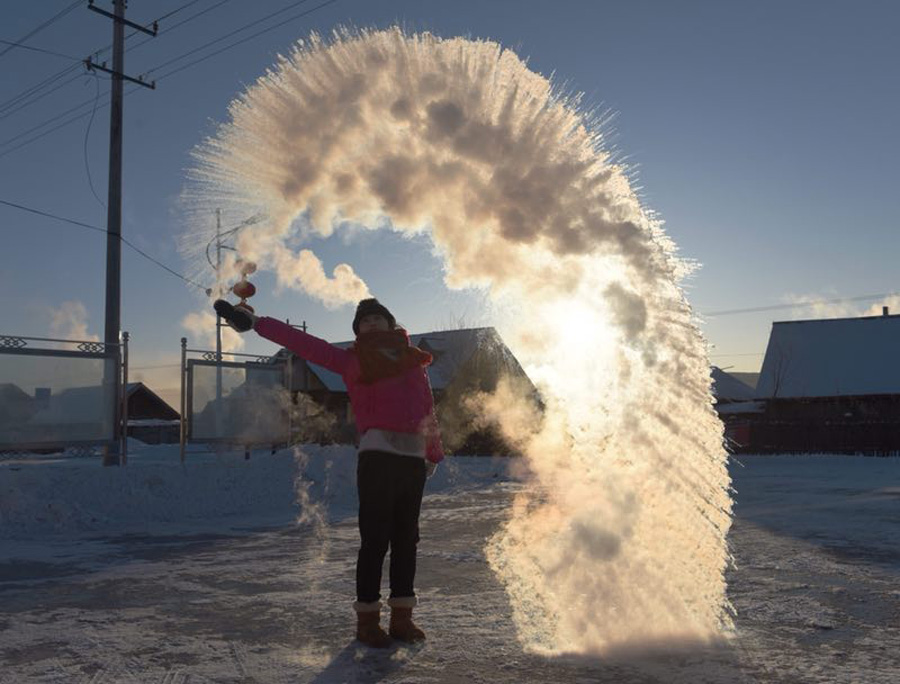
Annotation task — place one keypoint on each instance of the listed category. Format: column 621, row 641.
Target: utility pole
column 218, row 324
column 114, row 204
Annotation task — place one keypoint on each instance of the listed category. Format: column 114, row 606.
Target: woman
column 399, row 447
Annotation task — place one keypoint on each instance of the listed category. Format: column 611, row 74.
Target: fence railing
column 57, row 394
column 243, row 400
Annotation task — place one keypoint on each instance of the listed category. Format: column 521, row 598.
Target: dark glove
column 237, row 317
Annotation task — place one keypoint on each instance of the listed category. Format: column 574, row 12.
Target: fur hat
column 372, row 307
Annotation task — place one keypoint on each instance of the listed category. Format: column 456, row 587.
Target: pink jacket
column 401, row 404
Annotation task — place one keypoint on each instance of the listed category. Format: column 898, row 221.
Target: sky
column 762, row 133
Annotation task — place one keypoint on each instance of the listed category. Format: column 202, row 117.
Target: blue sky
column 763, row 133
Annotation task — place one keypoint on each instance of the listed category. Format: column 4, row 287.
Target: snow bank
column 156, row 492
column 832, row 500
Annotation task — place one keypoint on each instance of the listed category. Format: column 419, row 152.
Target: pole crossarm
column 90, row 65
column 149, row 31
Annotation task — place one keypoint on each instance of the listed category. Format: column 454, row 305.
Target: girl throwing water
column 399, row 446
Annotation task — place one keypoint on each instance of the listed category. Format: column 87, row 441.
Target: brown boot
column 402, row 627
column 369, row 632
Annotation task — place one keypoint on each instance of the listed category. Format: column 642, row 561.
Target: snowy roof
column 741, row 407
column 726, row 387
column 450, row 348
column 832, row 357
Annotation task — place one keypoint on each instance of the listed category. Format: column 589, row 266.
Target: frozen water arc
column 621, row 538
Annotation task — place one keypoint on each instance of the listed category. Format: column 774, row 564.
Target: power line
column 13, row 139
column 22, row 100
column 87, row 133
column 77, row 117
column 798, row 305
column 37, row 98
column 177, row 10
column 244, row 40
column 56, row 17
column 191, row 18
column 88, row 226
column 65, row 123
column 36, row 88
column 240, row 29
column 41, row 50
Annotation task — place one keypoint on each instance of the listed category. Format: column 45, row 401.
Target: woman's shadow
column 358, row 664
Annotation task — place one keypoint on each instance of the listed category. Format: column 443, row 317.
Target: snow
column 726, row 387
column 831, row 357
column 163, row 572
column 740, row 407
column 66, row 495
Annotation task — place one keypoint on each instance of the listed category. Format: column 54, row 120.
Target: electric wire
column 47, row 122
column 38, row 136
column 797, row 305
column 41, row 96
column 56, row 17
column 88, row 226
column 244, row 40
column 240, row 29
column 77, row 117
column 31, row 90
column 41, row 50
column 87, row 133
column 191, row 18
column 10, row 107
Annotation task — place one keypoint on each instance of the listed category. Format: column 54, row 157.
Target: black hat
column 372, row 307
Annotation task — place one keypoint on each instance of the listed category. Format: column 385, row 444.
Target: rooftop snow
column 832, row 357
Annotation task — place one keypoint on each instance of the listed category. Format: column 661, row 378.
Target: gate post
column 124, row 433
column 183, row 391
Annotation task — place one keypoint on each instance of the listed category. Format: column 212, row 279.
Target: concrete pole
column 114, row 212
column 218, row 324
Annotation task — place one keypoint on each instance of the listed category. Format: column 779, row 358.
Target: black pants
column 390, row 490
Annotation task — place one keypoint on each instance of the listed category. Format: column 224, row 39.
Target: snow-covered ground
column 171, row 573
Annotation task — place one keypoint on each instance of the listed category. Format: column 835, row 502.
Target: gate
column 57, row 393
column 243, row 401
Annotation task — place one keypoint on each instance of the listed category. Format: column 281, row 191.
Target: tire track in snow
column 239, row 656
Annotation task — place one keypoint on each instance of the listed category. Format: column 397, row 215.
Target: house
column 465, row 361
column 81, row 415
column 831, row 385
column 150, row 418
column 736, row 407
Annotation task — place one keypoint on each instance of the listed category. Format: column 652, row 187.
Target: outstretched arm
column 303, row 344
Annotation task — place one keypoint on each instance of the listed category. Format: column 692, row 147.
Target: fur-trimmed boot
column 368, row 629
column 402, row 627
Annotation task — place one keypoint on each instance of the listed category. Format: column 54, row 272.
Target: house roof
column 741, row 407
column 12, row 392
column 159, row 405
column 77, row 404
column 832, row 357
column 726, row 387
column 450, row 348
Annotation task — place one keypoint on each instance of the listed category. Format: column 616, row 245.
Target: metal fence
column 57, row 394
column 242, row 401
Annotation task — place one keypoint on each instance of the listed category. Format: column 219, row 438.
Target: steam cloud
column 202, row 326
column 621, row 536
column 69, row 321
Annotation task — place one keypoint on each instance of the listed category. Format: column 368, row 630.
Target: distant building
column 150, row 418
column 465, row 361
column 736, row 407
column 81, row 415
column 831, row 385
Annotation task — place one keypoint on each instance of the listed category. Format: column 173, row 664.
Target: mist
column 619, row 536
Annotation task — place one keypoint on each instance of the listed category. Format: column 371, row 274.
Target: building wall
column 868, row 424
